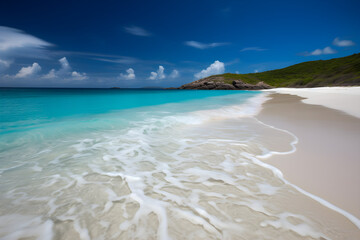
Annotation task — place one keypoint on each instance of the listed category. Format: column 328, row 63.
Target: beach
column 326, row 161
column 158, row 164
column 176, row 120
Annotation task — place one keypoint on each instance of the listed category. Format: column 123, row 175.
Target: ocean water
column 147, row 164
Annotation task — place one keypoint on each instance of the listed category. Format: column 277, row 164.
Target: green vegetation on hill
column 343, row 71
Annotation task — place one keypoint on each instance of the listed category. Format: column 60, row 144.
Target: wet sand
column 326, row 162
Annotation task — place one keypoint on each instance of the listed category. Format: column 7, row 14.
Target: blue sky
column 165, row 43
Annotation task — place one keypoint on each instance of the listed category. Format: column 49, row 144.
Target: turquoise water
column 22, row 109
column 145, row 164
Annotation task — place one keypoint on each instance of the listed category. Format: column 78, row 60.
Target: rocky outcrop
column 262, row 85
column 209, row 86
column 218, row 83
column 246, row 86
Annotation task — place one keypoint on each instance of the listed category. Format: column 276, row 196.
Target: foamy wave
column 185, row 176
column 16, row 226
column 277, row 172
column 250, row 108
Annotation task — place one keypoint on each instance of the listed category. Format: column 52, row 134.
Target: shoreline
column 338, row 98
column 191, row 166
column 326, row 135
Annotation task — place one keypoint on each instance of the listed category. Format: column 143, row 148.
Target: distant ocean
column 143, row 164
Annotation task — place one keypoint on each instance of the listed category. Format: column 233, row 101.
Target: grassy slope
column 334, row 72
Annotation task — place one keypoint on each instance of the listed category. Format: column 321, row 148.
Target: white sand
column 346, row 99
column 326, row 161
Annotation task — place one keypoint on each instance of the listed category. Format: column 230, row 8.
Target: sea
column 146, row 164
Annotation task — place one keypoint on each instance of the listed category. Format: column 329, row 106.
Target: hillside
column 343, row 71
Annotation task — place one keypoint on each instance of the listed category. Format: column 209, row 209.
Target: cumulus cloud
column 325, row 51
column 158, row 75
column 65, row 72
column 257, row 49
column 130, row 74
column 153, row 76
column 28, row 71
column 50, row 75
column 137, row 31
column 14, row 42
column 200, row 45
column 215, row 68
column 343, row 43
column 78, row 76
column 64, row 64
column 174, row 74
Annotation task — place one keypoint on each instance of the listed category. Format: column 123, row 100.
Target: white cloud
column 200, row 45
column 153, row 76
column 64, row 64
column 174, row 74
column 4, row 64
column 121, row 60
column 28, row 71
column 138, row 31
column 65, row 72
column 14, row 42
column 13, row 38
column 129, row 76
column 257, row 49
column 216, row 68
column 316, row 52
column 158, row 75
column 328, row 50
column 343, row 43
column 50, row 75
column 78, row 76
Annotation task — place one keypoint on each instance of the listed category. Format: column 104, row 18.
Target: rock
column 217, row 83
column 263, row 85
column 243, row 86
column 224, row 86
column 208, row 86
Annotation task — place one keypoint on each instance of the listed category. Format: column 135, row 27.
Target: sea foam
column 165, row 174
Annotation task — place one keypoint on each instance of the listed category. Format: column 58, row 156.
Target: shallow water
column 150, row 164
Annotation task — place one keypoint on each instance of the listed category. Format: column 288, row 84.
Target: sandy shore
column 326, row 162
column 344, row 99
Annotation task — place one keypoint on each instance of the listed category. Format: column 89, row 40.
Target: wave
column 193, row 175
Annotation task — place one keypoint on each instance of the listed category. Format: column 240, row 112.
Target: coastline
column 174, row 168
column 325, row 161
column 338, row 98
